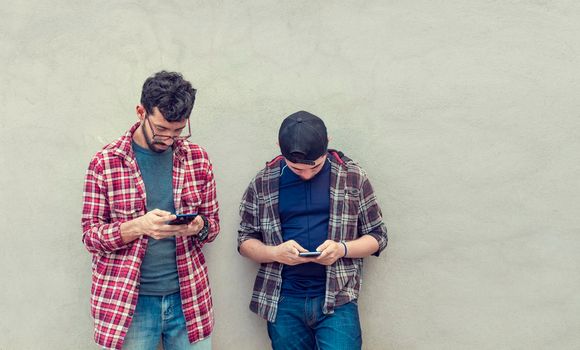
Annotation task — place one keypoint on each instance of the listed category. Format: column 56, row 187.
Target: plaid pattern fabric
column 354, row 212
column 114, row 192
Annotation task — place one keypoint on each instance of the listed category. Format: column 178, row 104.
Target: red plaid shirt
column 114, row 193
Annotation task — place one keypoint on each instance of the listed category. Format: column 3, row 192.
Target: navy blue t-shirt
column 304, row 208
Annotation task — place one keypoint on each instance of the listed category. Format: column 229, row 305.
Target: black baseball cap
column 302, row 138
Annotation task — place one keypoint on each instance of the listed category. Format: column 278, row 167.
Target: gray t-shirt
column 159, row 267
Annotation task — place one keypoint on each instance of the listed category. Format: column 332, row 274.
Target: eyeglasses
column 160, row 137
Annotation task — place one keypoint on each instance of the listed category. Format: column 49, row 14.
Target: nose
column 167, row 142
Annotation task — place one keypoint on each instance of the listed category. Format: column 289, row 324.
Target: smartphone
column 309, row 254
column 182, row 219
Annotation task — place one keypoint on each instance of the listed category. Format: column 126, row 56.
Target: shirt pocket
column 269, row 235
column 127, row 210
column 190, row 201
column 352, row 194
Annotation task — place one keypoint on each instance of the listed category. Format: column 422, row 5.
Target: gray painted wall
column 464, row 113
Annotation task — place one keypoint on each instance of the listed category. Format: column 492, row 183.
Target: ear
column 141, row 112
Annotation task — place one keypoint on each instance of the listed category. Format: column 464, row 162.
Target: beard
column 155, row 146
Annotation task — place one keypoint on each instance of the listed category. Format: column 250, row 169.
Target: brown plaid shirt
column 354, row 212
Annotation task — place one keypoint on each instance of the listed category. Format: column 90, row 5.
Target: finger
column 180, row 228
column 181, row 233
column 160, row 212
column 322, row 255
column 292, row 252
column 323, row 246
column 309, row 259
column 321, row 262
column 196, row 225
column 162, row 235
column 324, row 258
column 297, row 259
column 170, row 228
column 192, row 231
column 198, row 220
column 302, row 260
column 165, row 218
column 299, row 248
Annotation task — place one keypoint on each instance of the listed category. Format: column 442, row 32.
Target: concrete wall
column 464, row 113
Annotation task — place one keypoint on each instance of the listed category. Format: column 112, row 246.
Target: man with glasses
column 149, row 277
column 309, row 217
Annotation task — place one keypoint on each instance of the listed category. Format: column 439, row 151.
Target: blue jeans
column 300, row 324
column 158, row 318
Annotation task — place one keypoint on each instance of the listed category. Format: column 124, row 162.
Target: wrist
column 272, row 253
column 130, row 230
column 345, row 249
column 204, row 231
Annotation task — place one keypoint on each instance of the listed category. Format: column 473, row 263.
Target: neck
column 139, row 137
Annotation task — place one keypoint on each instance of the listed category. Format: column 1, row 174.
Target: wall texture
column 464, row 113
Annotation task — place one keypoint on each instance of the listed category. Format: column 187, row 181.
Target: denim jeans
column 160, row 318
column 301, row 325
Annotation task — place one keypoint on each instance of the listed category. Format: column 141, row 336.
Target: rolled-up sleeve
column 209, row 206
column 250, row 222
column 99, row 234
column 370, row 216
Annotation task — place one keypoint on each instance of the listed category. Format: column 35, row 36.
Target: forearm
column 130, row 231
column 257, row 251
column 361, row 247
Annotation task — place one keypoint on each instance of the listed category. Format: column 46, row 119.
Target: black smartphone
column 309, row 254
column 182, row 219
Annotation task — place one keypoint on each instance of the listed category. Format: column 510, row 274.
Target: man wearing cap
column 309, row 199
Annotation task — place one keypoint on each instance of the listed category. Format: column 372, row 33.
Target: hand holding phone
column 182, row 219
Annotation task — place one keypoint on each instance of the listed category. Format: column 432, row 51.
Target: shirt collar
column 124, row 146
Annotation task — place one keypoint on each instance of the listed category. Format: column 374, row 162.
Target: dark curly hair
column 170, row 93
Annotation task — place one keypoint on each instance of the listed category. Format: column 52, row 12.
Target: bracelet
column 345, row 249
